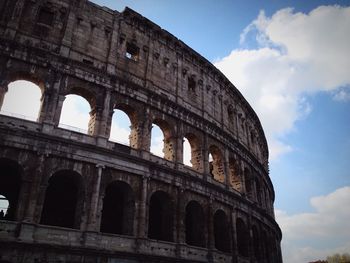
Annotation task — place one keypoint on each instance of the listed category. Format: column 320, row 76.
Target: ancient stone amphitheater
column 76, row 197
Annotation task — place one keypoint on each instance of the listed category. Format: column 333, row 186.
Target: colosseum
column 81, row 197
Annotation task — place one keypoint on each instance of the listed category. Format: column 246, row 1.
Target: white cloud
column 299, row 54
column 316, row 235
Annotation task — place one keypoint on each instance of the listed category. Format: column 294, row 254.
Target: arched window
column 216, row 164
column 162, row 143
column 118, row 209
column 160, row 221
column 120, row 128
column 258, row 192
column 235, row 178
column 242, row 238
column 195, row 225
column 63, row 202
column 10, row 183
column 221, row 232
column 75, row 114
column 22, row 100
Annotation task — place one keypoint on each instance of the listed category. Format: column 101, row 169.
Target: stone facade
column 82, row 198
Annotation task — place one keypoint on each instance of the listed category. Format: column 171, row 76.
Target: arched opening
column 160, row 221
column 10, row 183
column 63, row 205
column 187, row 153
column 216, row 164
column 75, row 114
column 221, row 232
column 162, row 143
column 22, row 100
column 235, row 178
column 195, row 225
column 242, row 238
column 118, row 209
column 192, row 153
column 256, row 242
column 120, row 128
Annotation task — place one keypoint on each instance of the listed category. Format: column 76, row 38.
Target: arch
column 242, row 238
column 216, row 164
column 161, row 216
column 221, row 232
column 235, row 178
column 63, row 202
column 124, row 126
column 76, row 114
column 195, row 225
column 167, row 149
column 23, row 100
column 118, row 209
column 193, row 152
column 256, row 242
column 10, row 184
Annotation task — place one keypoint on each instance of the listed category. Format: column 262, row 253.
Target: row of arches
column 65, row 201
column 125, row 127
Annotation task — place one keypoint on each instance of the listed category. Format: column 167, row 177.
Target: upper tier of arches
column 139, row 52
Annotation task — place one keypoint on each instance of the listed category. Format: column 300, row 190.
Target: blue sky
column 291, row 60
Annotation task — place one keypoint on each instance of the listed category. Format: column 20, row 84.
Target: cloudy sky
column 291, row 60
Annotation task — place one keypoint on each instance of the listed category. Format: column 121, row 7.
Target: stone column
column 103, row 117
column 206, row 167
column 15, row 18
column 3, row 90
column 92, row 223
column 33, row 195
column 142, row 230
column 211, row 235
column 227, row 167
column 181, row 214
column 58, row 110
column 234, row 237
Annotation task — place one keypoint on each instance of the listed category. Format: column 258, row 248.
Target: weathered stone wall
column 124, row 61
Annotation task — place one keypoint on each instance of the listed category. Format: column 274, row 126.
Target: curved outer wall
column 218, row 210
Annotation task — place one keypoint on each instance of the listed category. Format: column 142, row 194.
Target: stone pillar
column 179, row 158
column 33, row 195
column 103, row 119
column 142, row 226
column 211, row 235
column 3, row 90
column 58, row 110
column 227, row 167
column 234, row 237
column 92, row 223
column 181, row 214
column 15, row 18
column 206, row 167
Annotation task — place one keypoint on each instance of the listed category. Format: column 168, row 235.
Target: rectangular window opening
column 132, row 52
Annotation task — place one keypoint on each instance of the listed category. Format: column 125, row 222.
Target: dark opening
column 118, row 209
column 160, row 222
column 242, row 238
column 258, row 192
column 195, row 227
column 45, row 17
column 221, row 232
column 256, row 243
column 61, row 200
column 10, row 182
column 191, row 84
column 132, row 52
